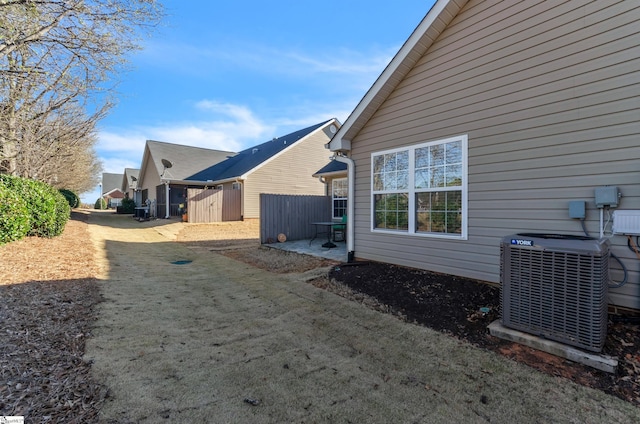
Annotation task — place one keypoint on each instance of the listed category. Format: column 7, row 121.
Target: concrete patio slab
column 314, row 248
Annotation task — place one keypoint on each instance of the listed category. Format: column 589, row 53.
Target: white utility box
column 626, row 222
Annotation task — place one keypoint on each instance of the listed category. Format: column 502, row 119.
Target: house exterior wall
column 150, row 179
column 288, row 173
column 548, row 94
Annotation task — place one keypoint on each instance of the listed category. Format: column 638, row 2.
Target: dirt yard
column 49, row 309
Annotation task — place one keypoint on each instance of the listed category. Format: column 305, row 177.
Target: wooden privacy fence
column 291, row 215
column 214, row 205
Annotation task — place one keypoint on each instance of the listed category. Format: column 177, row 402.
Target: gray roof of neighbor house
column 252, row 157
column 185, row 160
column 111, row 181
column 332, row 168
column 130, row 178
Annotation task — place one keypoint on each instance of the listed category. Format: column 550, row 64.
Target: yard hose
column 614, row 256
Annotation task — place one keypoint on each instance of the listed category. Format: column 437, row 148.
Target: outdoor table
column 329, row 225
column 141, row 213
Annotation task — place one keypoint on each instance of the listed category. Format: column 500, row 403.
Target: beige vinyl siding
column 288, row 173
column 150, row 179
column 549, row 95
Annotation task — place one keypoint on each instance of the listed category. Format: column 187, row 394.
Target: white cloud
column 187, row 59
column 231, row 128
column 128, row 141
column 345, row 62
column 117, row 164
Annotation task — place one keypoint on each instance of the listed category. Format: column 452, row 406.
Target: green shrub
column 98, row 202
column 72, row 198
column 48, row 208
column 15, row 219
column 127, row 206
column 63, row 211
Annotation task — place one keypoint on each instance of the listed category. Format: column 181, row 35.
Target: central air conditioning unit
column 556, row 286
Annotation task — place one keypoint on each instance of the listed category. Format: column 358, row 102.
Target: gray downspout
column 351, row 171
column 168, row 207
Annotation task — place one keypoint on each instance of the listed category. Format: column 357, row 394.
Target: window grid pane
column 392, row 211
column 391, row 171
column 439, row 212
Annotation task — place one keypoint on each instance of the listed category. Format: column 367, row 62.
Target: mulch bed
column 47, row 300
column 43, row 375
column 452, row 305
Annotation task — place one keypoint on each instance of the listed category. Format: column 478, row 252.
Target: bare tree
column 57, row 59
column 59, row 148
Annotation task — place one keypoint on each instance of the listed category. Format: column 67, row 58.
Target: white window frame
column 412, row 191
column 334, row 197
column 236, row 186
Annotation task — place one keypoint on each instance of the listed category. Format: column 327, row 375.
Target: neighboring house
column 114, row 198
column 334, row 176
column 130, row 184
column 489, row 120
column 167, row 165
column 279, row 166
column 111, row 189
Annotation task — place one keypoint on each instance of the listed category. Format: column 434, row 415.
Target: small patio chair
column 339, row 231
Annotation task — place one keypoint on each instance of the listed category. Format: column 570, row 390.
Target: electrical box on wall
column 626, row 222
column 607, row 196
column 577, row 209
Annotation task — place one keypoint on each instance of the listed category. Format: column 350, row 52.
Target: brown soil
column 48, row 293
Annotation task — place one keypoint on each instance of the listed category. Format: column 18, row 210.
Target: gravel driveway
column 219, row 341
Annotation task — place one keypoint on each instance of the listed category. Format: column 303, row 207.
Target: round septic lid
column 282, row 238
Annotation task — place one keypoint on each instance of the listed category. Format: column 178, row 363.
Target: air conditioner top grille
column 558, row 242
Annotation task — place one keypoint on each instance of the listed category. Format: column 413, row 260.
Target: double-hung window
column 339, row 197
column 422, row 189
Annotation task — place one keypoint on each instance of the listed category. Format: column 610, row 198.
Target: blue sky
column 229, row 75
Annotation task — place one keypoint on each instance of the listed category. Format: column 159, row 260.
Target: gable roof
column 110, row 181
column 130, row 179
column 116, row 193
column 185, row 160
column 436, row 20
column 332, row 168
column 252, row 158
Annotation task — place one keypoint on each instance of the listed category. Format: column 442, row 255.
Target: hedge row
column 30, row 208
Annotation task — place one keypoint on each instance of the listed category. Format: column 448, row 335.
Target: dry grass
column 278, row 261
column 241, row 241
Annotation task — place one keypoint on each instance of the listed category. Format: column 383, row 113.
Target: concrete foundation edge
column 600, row 362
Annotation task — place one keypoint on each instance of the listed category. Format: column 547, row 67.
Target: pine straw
column 47, row 297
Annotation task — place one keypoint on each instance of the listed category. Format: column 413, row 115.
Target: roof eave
column 143, row 165
column 330, row 174
column 187, row 182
